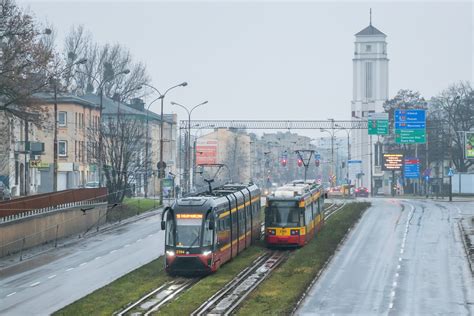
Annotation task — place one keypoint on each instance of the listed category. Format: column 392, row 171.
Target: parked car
column 92, row 184
column 361, row 191
column 5, row 193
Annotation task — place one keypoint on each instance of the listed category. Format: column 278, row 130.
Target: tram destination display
column 392, row 162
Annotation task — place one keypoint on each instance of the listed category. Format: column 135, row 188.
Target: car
column 361, row 191
column 335, row 191
column 91, row 184
column 5, row 193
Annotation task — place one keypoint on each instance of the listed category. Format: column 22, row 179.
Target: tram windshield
column 188, row 232
column 283, row 214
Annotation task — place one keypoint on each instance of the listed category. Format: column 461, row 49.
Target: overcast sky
column 280, row 60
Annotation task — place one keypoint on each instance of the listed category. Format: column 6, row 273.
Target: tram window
column 169, row 233
column 207, row 236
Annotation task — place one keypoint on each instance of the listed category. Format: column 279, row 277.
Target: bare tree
column 453, row 110
column 26, row 60
column 122, row 153
column 101, row 61
column 236, row 160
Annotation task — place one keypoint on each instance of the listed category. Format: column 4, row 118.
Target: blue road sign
column 409, row 125
column 450, row 172
column 317, row 157
column 411, row 168
column 413, row 116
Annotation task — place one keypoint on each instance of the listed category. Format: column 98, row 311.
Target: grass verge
column 201, row 291
column 122, row 291
column 280, row 292
column 131, row 207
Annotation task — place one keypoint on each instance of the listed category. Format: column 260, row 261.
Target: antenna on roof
column 370, row 16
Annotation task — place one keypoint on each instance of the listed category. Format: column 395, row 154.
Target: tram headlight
column 294, row 232
column 206, row 253
column 170, row 253
column 272, row 232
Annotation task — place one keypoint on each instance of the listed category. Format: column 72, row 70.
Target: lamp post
column 55, row 137
column 188, row 110
column 331, row 132
column 348, row 150
column 161, row 162
column 101, row 107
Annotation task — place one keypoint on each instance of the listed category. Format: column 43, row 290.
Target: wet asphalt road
column 53, row 280
column 405, row 257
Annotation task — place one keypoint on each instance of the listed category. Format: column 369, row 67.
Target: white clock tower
column 370, row 91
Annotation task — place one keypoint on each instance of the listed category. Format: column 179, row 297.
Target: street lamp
column 188, row 110
column 161, row 162
column 55, row 140
column 348, row 132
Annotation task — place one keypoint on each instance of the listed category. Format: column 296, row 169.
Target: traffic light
column 300, row 162
column 284, row 162
column 317, row 162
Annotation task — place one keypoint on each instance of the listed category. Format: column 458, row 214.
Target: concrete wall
column 42, row 228
column 463, row 183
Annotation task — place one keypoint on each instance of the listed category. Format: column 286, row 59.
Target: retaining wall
column 38, row 229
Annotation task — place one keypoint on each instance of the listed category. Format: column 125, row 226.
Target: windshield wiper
column 192, row 244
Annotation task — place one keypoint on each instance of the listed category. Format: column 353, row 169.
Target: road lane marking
column 113, row 251
column 400, row 259
column 139, row 240
column 97, row 258
column 390, row 306
column 127, row 245
column 150, row 235
column 35, row 284
column 70, row 269
column 52, row 276
column 83, row 264
column 12, row 293
column 394, row 284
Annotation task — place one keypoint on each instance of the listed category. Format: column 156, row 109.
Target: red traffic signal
column 300, row 162
column 284, row 162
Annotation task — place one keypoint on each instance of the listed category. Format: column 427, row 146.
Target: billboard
column 206, row 151
column 392, row 162
column 469, row 145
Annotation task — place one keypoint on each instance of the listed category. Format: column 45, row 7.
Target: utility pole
column 371, row 167
column 55, row 139
column 306, row 162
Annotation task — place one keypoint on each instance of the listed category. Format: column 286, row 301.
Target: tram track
column 227, row 299
column 152, row 301
column 333, row 209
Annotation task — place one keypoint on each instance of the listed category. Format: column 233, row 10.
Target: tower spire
column 370, row 16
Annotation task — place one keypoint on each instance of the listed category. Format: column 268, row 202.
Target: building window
column 368, row 48
column 62, row 148
column 368, row 80
column 62, row 118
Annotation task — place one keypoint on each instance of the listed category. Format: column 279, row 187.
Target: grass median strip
column 280, row 292
column 119, row 293
column 205, row 288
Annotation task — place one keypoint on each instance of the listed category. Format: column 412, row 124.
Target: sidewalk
column 466, row 226
column 21, row 258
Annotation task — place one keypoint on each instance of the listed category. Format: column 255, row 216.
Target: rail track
column 152, row 301
column 227, row 299
column 332, row 209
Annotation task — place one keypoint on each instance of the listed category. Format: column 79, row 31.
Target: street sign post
column 410, row 126
column 377, row 124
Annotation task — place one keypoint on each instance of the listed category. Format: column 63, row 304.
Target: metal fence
column 47, row 202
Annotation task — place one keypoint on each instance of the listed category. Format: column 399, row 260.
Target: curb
column 464, row 236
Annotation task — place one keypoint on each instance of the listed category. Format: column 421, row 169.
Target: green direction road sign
column 168, row 183
column 378, row 127
column 410, row 136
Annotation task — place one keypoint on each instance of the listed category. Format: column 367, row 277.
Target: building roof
column 370, row 31
column 48, row 97
column 111, row 107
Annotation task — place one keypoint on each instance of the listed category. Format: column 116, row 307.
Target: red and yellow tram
column 294, row 214
column 204, row 231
